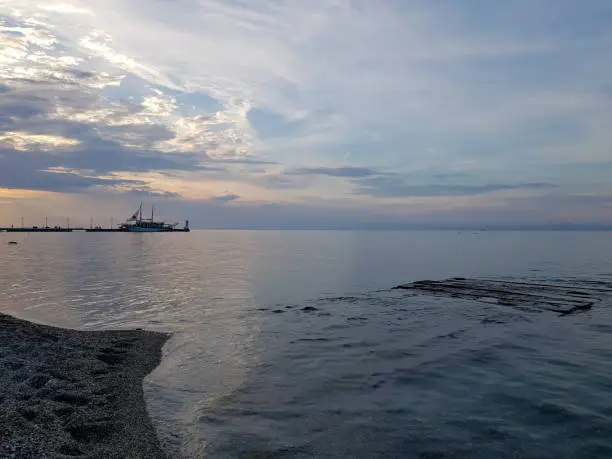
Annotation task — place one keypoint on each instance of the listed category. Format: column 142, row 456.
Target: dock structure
column 86, row 230
column 137, row 223
column 36, row 229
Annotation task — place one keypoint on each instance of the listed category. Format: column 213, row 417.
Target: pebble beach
column 70, row 393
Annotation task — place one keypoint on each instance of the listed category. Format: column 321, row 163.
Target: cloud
column 24, row 141
column 275, row 182
column 394, row 187
column 225, row 198
column 68, row 182
column 65, row 8
column 346, row 171
column 53, row 114
column 247, row 161
column 47, row 88
column 29, row 171
column 144, row 193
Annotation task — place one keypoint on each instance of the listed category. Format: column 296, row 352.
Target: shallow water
column 364, row 371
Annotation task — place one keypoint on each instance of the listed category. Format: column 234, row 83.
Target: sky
column 319, row 114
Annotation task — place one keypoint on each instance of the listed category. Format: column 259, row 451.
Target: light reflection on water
column 362, row 370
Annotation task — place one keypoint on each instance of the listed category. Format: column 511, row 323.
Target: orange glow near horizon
column 19, row 193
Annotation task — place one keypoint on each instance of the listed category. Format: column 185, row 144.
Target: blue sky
column 327, row 113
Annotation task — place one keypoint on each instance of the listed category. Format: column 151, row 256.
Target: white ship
column 139, row 224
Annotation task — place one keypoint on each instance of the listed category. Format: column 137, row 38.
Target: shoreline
column 71, row 393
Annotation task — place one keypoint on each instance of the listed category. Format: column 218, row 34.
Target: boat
column 139, row 224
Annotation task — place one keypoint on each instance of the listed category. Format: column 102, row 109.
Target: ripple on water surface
column 398, row 375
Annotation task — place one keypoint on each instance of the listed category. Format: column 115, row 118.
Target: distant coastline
column 382, row 227
column 560, row 228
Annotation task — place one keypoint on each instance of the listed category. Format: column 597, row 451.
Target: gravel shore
column 69, row 393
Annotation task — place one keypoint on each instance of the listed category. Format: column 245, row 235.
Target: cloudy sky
column 319, row 113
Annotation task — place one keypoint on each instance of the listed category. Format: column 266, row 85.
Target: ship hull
column 150, row 230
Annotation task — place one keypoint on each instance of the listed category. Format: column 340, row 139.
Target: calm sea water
column 364, row 371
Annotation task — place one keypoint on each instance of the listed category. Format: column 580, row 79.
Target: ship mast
column 152, row 211
column 140, row 212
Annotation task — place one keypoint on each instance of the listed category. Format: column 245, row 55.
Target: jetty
column 137, row 223
column 35, row 229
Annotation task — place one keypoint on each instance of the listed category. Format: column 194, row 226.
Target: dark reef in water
column 562, row 298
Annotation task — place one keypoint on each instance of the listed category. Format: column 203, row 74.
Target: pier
column 137, row 223
column 35, row 229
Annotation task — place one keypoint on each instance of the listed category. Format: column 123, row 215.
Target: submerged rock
column 562, row 298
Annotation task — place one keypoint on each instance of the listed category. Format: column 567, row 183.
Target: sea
column 294, row 344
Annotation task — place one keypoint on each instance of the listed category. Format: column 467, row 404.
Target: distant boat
column 139, row 224
column 12, row 243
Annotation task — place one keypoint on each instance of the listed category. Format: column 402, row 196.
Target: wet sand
column 69, row 393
